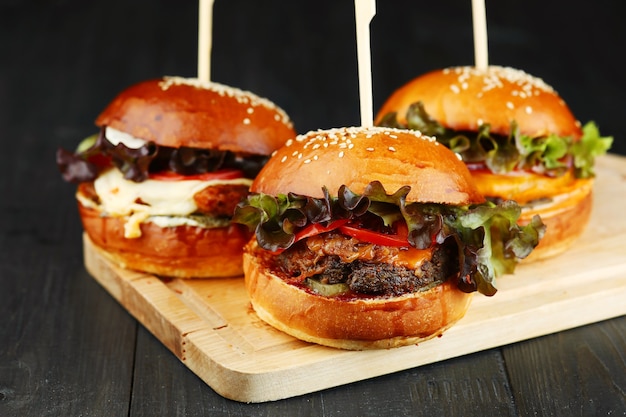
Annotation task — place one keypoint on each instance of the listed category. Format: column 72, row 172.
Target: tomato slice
column 223, row 174
column 374, row 237
column 317, row 228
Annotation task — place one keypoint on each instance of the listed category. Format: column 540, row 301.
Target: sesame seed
column 246, row 121
column 392, row 149
column 289, row 142
column 284, row 158
column 510, row 105
column 494, row 77
column 242, row 96
column 341, row 154
column 250, row 110
column 529, row 110
column 369, row 149
column 307, row 161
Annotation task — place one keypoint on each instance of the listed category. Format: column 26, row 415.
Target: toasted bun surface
column 182, row 251
column 175, row 111
column 352, row 324
column 566, row 218
column 357, row 156
column 462, row 98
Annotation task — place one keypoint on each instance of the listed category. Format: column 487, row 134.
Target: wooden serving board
column 210, row 326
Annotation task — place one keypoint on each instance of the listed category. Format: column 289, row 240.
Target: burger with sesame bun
column 158, row 184
column 373, row 238
column 516, row 135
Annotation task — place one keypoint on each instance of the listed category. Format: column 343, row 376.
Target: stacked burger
column 158, row 184
column 373, row 238
column 517, row 136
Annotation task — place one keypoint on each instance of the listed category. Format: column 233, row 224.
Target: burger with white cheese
column 516, row 135
column 373, row 238
column 158, row 185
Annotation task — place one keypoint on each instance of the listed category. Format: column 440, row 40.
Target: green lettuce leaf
column 549, row 155
column 489, row 240
column 588, row 148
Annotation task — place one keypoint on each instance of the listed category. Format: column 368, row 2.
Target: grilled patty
column 333, row 258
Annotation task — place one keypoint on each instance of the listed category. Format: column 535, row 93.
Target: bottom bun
column 371, row 323
column 566, row 219
column 182, row 251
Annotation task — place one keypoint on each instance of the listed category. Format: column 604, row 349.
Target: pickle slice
column 327, row 290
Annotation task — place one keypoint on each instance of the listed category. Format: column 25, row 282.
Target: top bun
column 175, row 112
column 357, row 156
column 463, row 98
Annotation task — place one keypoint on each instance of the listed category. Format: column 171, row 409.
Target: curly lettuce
column 489, row 240
column 549, row 155
column 96, row 153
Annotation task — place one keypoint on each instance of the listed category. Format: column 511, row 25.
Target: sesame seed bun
column 164, row 228
column 464, row 98
column 176, row 111
column 357, row 156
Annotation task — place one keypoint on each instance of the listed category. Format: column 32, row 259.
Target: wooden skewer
column 364, row 12
column 480, row 34
column 205, row 32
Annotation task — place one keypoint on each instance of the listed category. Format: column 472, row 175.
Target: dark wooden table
column 67, row 348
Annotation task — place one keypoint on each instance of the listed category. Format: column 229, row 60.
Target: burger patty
column 220, row 200
column 340, row 259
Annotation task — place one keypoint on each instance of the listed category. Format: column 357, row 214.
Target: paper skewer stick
column 480, row 34
column 205, row 32
column 364, row 13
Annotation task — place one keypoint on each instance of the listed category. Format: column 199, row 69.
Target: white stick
column 480, row 34
column 205, row 32
column 364, row 12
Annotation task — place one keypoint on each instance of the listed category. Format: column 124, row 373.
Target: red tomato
column 317, row 228
column 374, row 237
column 223, row 174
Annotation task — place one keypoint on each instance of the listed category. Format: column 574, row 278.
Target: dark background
column 68, row 348
column 301, row 55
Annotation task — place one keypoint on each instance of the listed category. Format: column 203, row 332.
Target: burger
column 371, row 237
column 517, row 136
column 157, row 186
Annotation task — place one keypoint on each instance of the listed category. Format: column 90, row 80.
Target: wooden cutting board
column 210, row 326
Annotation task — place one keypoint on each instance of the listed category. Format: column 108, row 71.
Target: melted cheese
column 559, row 203
column 140, row 201
column 413, row 258
column 523, row 186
